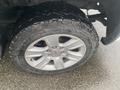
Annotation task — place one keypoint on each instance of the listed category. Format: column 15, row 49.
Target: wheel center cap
column 55, row 52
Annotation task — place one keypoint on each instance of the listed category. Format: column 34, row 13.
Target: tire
column 28, row 33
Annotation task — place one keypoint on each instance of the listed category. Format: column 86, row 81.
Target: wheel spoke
column 38, row 49
column 36, row 62
column 31, row 54
column 75, row 45
column 43, row 62
column 59, row 64
column 35, row 52
column 72, row 44
column 52, row 41
column 75, row 53
column 76, row 56
column 71, row 41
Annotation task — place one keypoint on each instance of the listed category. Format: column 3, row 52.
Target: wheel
column 53, row 46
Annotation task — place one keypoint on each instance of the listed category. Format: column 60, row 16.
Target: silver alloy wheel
column 55, row 52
